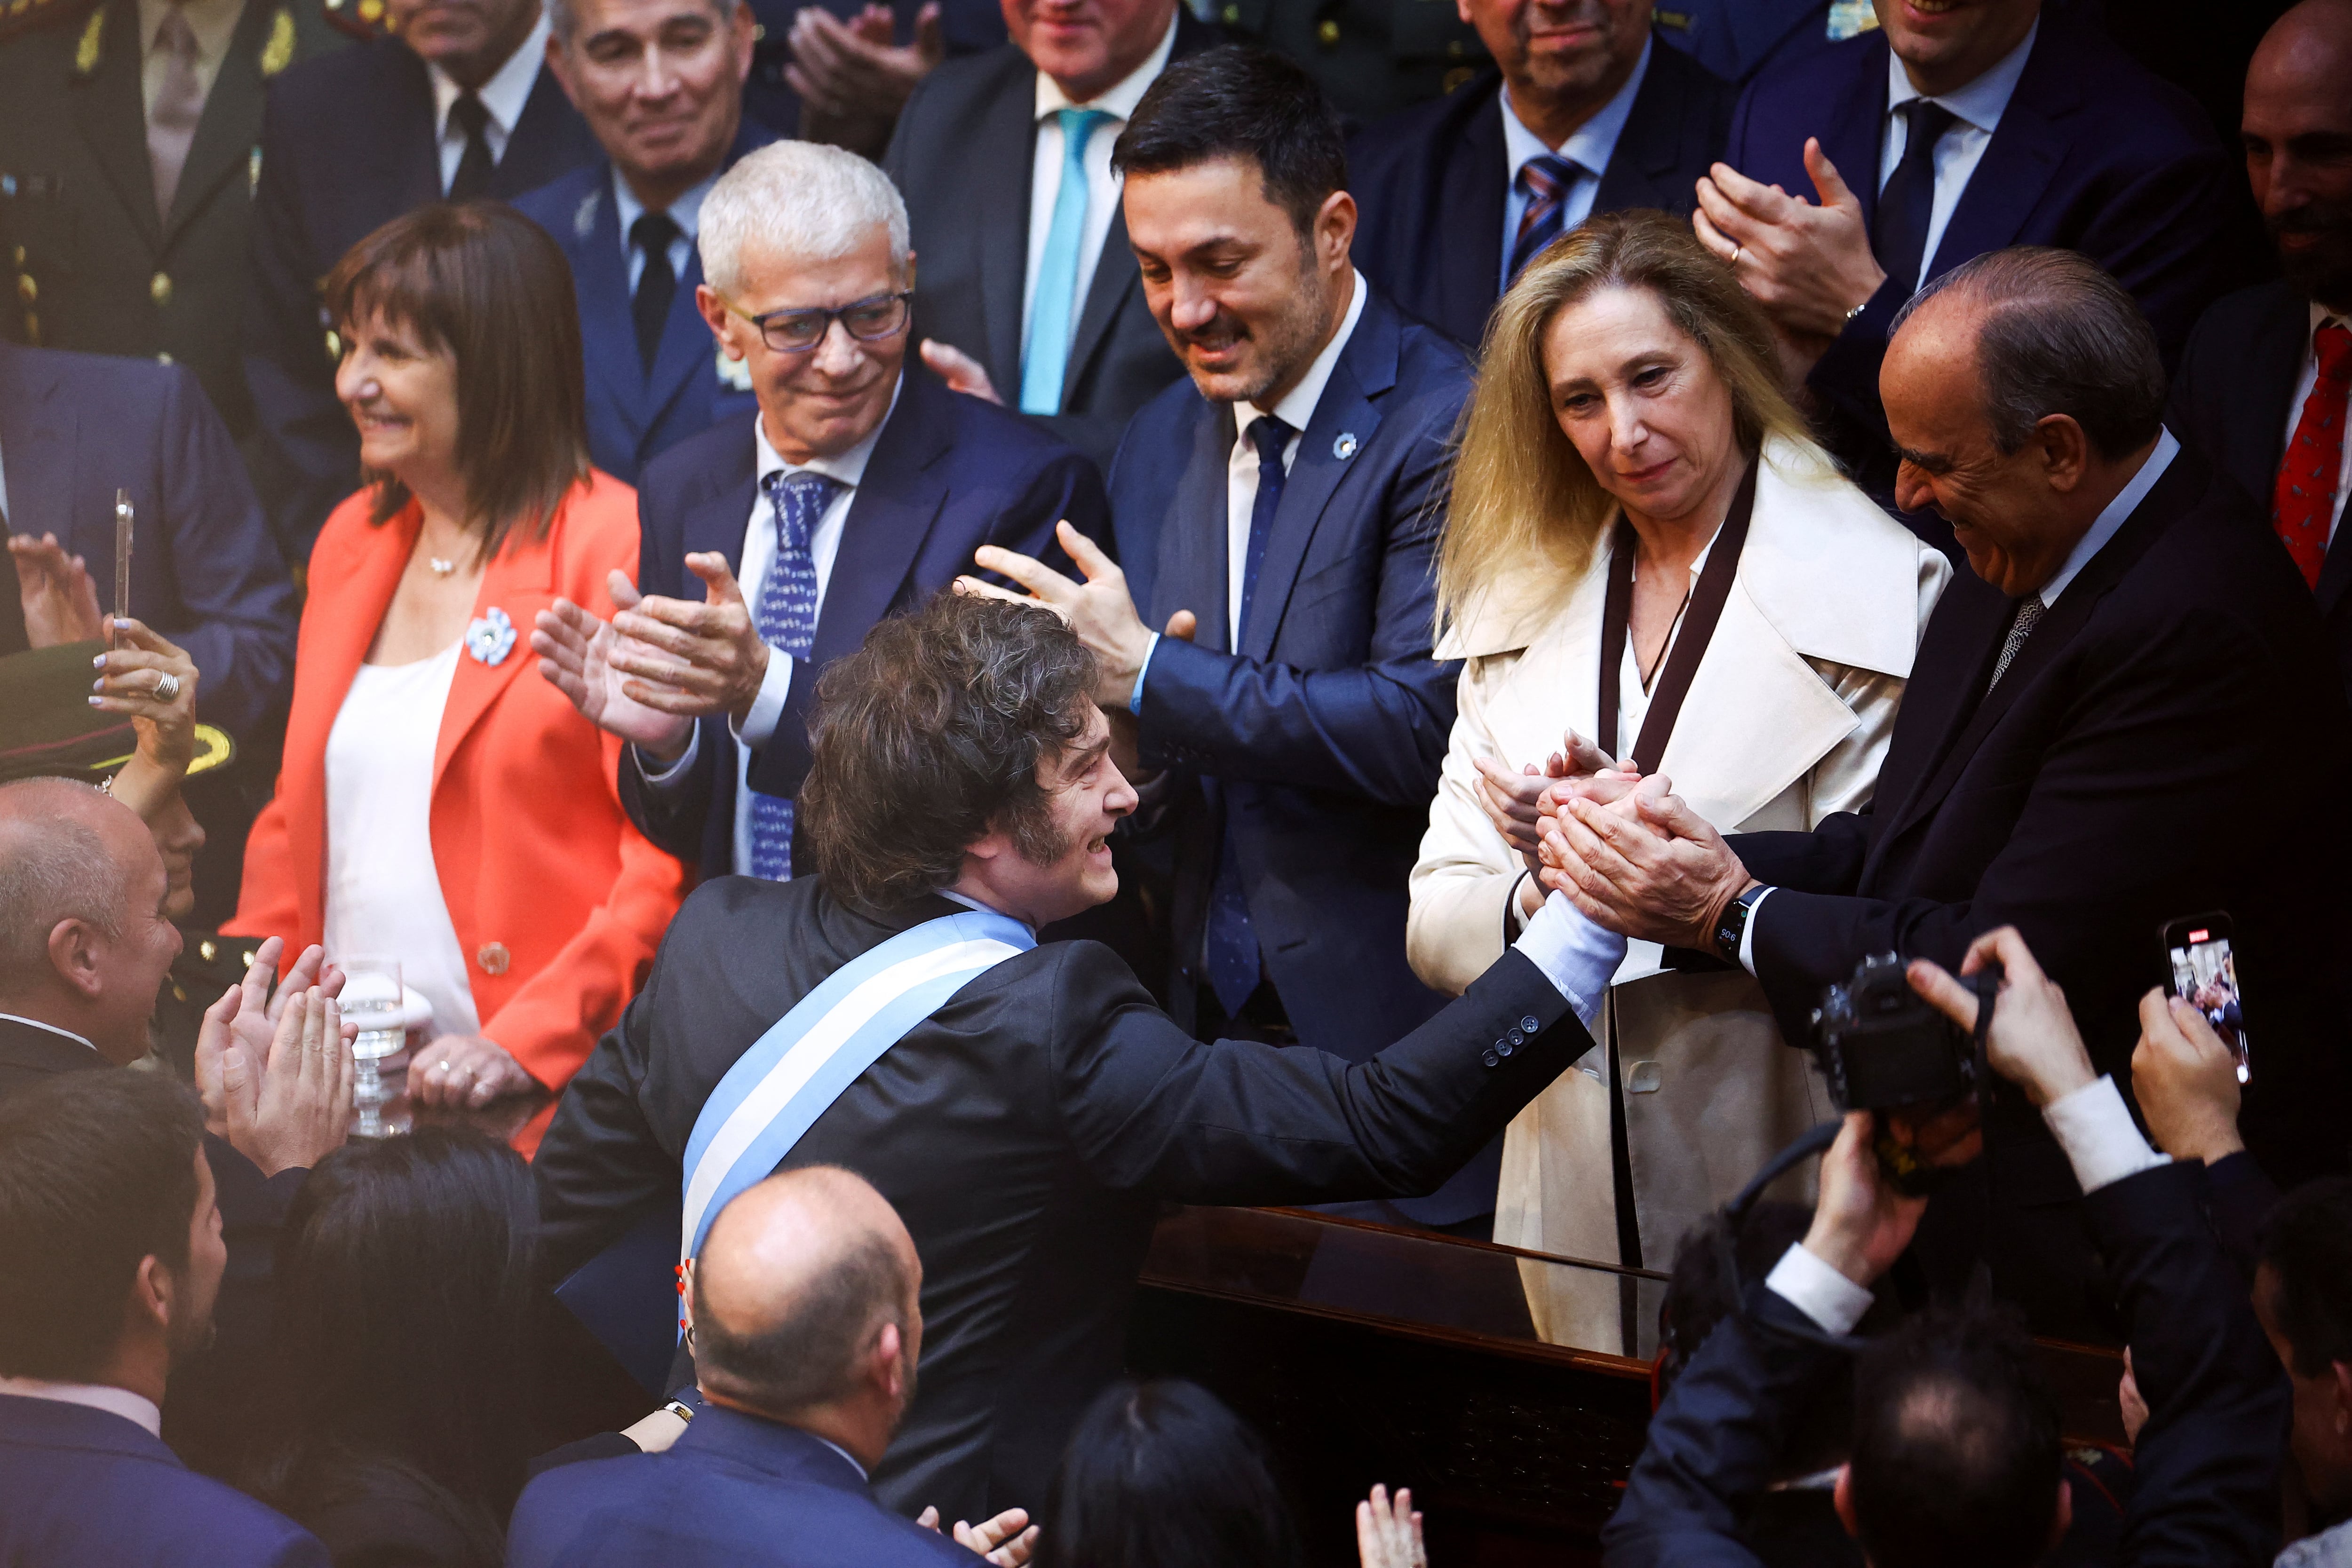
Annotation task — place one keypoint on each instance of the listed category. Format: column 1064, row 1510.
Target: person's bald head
column 805, row 1296
column 84, row 942
column 2297, row 132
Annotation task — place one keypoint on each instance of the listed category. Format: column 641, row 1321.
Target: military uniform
column 91, row 264
column 1370, row 57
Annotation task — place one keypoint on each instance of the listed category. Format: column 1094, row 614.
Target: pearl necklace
column 441, row 568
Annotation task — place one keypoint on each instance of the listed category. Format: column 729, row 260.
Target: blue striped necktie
column 1054, row 303
column 1545, row 179
column 786, row 619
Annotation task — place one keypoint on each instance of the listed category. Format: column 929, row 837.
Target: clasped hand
column 659, row 663
column 1633, row 856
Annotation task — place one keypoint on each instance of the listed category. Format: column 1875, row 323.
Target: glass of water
column 372, row 1000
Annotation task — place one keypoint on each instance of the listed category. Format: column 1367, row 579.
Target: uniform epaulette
column 359, row 19
column 21, row 16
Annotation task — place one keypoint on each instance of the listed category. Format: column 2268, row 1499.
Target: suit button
column 1491, row 1060
column 26, row 289
column 208, row 949
column 1528, row 1025
column 1644, row 1078
column 1326, row 32
column 494, row 958
column 1504, row 1047
column 163, row 358
column 159, row 289
column 1518, row 1039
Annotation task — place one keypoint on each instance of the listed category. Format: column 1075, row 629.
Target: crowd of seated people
column 1378, row 663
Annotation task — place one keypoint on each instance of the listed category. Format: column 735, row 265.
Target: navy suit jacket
column 2093, row 153
column 2230, row 401
column 1431, row 183
column 949, row 474
column 82, row 1487
column 204, row 571
column 1317, row 741
column 347, row 146
column 2206, row 1466
column 634, row 417
column 733, row 1490
column 1740, row 39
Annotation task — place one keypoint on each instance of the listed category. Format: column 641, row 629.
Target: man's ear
column 75, row 953
column 559, row 65
column 1335, row 228
column 1841, row 1499
column 154, row 1293
column 889, row 1363
column 2065, row 451
column 715, row 316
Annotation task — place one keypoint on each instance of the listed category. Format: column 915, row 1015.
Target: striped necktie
column 1545, row 179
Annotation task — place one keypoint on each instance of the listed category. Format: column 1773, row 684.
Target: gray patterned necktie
column 2030, row 610
column 786, row 619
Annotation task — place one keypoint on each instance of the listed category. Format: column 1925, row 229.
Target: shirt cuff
column 1135, row 692
column 1575, row 956
column 1514, row 920
column 2097, row 1132
column 1748, row 935
column 768, row 707
column 668, row 773
column 1833, row 1302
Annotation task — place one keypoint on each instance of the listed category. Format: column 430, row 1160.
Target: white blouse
column 383, row 895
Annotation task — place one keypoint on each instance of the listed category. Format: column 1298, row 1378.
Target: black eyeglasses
column 797, row 331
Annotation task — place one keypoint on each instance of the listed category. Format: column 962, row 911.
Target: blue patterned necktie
column 1229, row 949
column 1545, row 180
column 1053, row 305
column 786, row 619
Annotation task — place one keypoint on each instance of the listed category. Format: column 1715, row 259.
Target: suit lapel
column 1367, row 369
column 1651, row 143
column 1758, row 718
column 1190, row 572
column 719, row 523
column 112, row 115
column 1116, row 276
column 1852, row 130
column 225, row 132
column 890, row 518
column 688, row 351
column 538, row 149
column 600, row 269
column 519, row 581
column 1473, row 201
column 1008, row 135
column 2024, row 152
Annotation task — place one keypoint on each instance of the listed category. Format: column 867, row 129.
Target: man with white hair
column 864, row 488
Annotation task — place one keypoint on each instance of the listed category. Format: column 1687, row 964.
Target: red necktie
column 2303, row 500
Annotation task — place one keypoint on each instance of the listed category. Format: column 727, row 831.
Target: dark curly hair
column 932, row 733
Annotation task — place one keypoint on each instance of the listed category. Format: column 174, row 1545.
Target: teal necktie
column 1051, row 308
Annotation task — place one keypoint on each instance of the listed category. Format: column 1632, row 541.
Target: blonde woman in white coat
column 1629, row 391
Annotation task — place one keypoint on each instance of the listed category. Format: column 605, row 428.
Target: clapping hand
column 1388, row 1535
column 60, row 602
column 1008, row 1541
column 252, row 1024
column 1807, row 265
column 576, row 648
column 853, row 77
column 292, row 1107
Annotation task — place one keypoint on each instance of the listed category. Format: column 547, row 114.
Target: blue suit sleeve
column 231, row 582
column 1715, row 1439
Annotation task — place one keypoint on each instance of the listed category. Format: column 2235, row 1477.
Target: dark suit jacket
column 2230, row 401
column 1433, row 182
column 2093, row 153
column 949, row 475
column 962, row 156
column 733, row 1490
column 2074, row 804
column 1740, row 39
column 1027, row 1133
column 347, row 146
column 204, row 571
column 2207, row 1463
column 203, row 1416
column 88, row 1486
column 1318, row 741
column 967, row 27
column 634, row 417
column 96, row 267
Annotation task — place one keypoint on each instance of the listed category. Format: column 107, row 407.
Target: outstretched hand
column 576, row 649
column 55, row 590
column 1388, row 1534
column 1098, row 610
column 1009, row 1539
column 959, row 370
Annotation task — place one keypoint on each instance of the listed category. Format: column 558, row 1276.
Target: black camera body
column 1882, row 1047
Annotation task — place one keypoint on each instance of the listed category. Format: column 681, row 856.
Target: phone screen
column 2205, row 974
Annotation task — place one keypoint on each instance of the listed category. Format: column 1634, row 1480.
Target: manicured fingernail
column 97, row 702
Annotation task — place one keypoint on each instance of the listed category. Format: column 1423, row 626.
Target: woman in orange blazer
column 438, row 801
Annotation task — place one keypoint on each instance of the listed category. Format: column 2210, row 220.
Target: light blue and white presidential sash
column 778, row 1089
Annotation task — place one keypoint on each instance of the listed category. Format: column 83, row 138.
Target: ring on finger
column 167, row 687
column 1736, row 252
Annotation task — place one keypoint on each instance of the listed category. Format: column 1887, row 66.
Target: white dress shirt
column 1590, row 146
column 1118, row 102
column 758, row 559
column 383, row 892
column 2101, row 1141
column 503, row 95
column 214, row 23
column 1979, row 106
column 686, row 213
column 2103, row 529
column 2305, row 379
column 136, row 1408
column 36, row 1023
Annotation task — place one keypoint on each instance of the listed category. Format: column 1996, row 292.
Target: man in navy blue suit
column 1585, row 113
column 661, row 84
column 110, row 1258
column 1278, row 514
column 1938, row 136
column 860, row 488
column 457, row 105
column 805, row 1302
